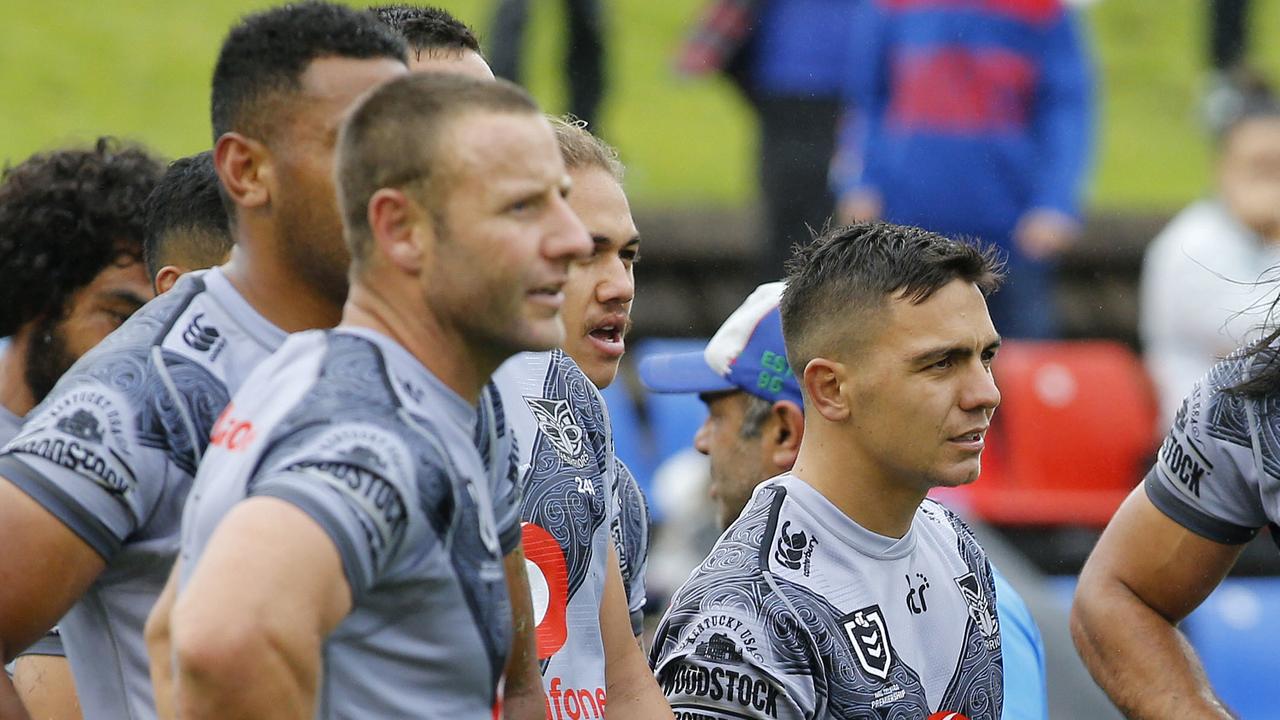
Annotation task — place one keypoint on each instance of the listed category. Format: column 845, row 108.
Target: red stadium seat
column 1073, row 434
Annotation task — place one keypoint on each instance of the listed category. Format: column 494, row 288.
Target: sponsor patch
column 1183, row 462
column 83, row 431
column 794, row 550
column 869, row 635
column 722, row 686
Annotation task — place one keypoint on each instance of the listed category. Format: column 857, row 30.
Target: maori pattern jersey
column 569, row 508
column 350, row 428
column 111, row 453
column 1218, row 471
column 799, row 613
column 631, row 539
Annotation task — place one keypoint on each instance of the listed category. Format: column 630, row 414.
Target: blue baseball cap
column 746, row 353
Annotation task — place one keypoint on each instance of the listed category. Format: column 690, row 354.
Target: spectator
column 785, row 56
column 976, row 121
column 584, row 60
column 1203, row 288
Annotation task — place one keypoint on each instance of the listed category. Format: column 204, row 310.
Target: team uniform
column 1218, row 471
column 798, row 612
column 111, row 453
column 569, row 507
column 631, row 539
column 350, row 428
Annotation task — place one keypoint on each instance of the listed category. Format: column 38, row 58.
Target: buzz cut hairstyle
column 265, row 55
column 833, row 282
column 186, row 222
column 581, row 149
column 428, row 29
column 392, row 139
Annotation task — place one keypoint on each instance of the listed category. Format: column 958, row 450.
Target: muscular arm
column 1145, row 575
column 39, row 584
column 160, row 647
column 248, row 628
column 632, row 690
column 46, row 687
column 523, row 696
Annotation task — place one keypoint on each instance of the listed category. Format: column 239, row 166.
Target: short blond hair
column 580, row 149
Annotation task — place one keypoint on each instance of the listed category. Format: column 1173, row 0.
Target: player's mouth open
column 973, row 440
column 607, row 336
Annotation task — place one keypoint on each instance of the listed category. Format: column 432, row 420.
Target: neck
column 405, row 318
column 276, row 291
column 883, row 505
column 15, row 395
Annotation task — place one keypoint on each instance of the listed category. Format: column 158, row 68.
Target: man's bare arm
column 632, row 690
column 160, row 647
column 1144, row 576
column 46, row 687
column 248, row 629
column 523, row 696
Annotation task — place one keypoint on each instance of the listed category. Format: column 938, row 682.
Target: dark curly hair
column 64, row 217
column 427, row 28
column 266, row 54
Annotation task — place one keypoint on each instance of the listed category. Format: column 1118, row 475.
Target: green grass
column 71, row 69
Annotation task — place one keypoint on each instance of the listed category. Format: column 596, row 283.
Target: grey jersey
column 9, row 424
column 798, row 612
column 568, row 509
column 111, row 453
column 350, row 428
column 631, row 539
column 1218, row 471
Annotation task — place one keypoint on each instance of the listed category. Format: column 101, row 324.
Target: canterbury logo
column 794, row 549
column 198, row 336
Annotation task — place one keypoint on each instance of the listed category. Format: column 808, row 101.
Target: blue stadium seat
column 1236, row 632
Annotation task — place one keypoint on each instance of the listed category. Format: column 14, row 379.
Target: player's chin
column 600, row 370
column 540, row 334
column 962, row 473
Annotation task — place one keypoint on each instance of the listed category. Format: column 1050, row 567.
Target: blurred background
column 1170, row 87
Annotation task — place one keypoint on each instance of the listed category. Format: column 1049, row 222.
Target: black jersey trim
column 1192, row 518
column 87, row 526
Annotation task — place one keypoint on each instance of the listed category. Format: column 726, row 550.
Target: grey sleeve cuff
column 50, row 644
column 61, row 505
column 1192, row 518
column 352, row 565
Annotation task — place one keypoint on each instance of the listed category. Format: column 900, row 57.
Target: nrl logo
column 556, row 421
column 869, row 636
column 976, row 601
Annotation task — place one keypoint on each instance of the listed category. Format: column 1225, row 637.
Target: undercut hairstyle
column 428, row 29
column 65, row 216
column 186, row 222
column 580, row 149
column 393, row 139
column 849, row 270
column 265, row 55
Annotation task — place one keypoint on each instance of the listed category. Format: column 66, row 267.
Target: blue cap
column 746, row 353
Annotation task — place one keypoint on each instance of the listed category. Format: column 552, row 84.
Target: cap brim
column 681, row 373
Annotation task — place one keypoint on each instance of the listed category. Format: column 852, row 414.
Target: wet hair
column 428, row 29
column 65, row 216
column 186, row 223
column 580, row 149
column 265, row 55
column 392, row 139
column 852, row 269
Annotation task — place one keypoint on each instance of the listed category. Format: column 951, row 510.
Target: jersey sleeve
column 500, row 452
column 1205, row 477
column 50, row 644
column 87, row 455
column 357, row 482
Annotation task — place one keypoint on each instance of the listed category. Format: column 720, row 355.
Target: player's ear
column 395, row 224
column 167, row 276
column 788, row 429
column 245, row 170
column 824, row 383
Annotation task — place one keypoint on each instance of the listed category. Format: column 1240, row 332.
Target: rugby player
column 585, row 642
column 186, row 225
column 800, row 610
column 752, row 433
column 94, row 483
column 437, row 40
column 71, row 261
column 597, row 316
column 343, row 517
